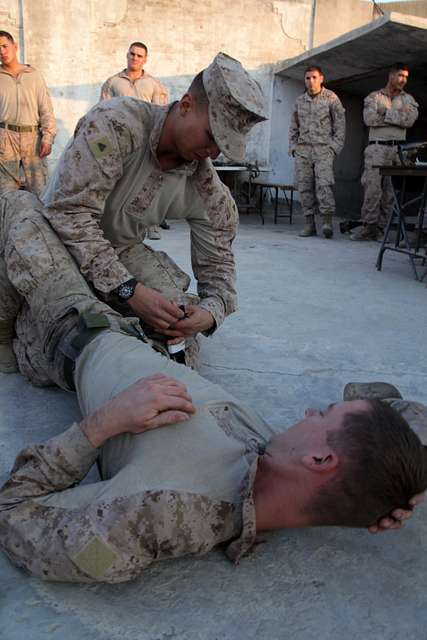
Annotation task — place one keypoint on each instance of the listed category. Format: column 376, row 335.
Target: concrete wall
column 335, row 17
column 349, row 164
column 284, row 94
column 77, row 45
column 411, row 7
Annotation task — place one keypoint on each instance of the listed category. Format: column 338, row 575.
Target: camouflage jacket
column 317, row 120
column 388, row 116
column 25, row 100
column 110, row 531
column 145, row 88
column 108, row 188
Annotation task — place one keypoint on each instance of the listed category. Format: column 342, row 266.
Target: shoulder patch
column 95, row 558
column 101, row 147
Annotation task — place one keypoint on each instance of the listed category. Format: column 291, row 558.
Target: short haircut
column 399, row 66
column 197, row 90
column 313, row 68
column 138, row 44
column 383, row 465
column 6, row 34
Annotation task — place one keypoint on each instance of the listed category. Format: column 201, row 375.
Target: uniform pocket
column 236, row 424
column 28, row 256
column 140, row 206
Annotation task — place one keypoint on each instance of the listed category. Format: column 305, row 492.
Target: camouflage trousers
column 43, row 291
column 20, row 163
column 378, row 200
column 314, row 177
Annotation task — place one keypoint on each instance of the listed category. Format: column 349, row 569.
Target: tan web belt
column 20, row 128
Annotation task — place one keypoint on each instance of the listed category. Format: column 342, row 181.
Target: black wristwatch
column 126, row 290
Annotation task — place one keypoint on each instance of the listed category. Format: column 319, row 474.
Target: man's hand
column 396, row 517
column 154, row 309
column 45, row 149
column 196, row 319
column 151, row 402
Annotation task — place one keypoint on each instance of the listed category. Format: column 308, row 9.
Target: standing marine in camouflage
column 316, row 136
column 130, row 165
column 136, row 82
column 27, row 122
column 216, row 475
column 388, row 113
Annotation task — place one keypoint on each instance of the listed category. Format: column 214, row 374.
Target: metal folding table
column 265, row 187
column 410, row 201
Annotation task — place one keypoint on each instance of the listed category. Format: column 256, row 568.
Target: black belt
column 20, row 128
column 89, row 326
column 388, row 143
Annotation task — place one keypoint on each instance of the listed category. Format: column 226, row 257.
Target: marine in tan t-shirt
column 27, row 122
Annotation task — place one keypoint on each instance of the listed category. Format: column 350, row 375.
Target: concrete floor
column 313, row 315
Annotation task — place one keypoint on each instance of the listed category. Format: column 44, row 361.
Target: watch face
column 126, row 290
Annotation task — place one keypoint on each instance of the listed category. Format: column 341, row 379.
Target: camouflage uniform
column 24, row 102
column 33, row 248
column 110, row 531
column 316, row 136
column 387, row 119
column 108, row 188
column 145, row 88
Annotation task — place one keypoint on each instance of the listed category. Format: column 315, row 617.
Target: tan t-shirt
column 145, row 88
column 25, row 100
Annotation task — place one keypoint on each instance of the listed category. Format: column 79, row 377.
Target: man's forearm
column 101, row 425
column 218, row 311
column 41, row 469
column 46, row 116
column 293, row 133
column 214, row 266
column 371, row 116
column 67, row 539
column 401, row 117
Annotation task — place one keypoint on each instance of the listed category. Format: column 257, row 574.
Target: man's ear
column 321, row 461
column 186, row 103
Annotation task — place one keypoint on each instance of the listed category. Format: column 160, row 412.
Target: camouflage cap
column 236, row 103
